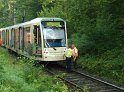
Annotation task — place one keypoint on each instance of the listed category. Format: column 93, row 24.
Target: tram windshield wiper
column 54, row 48
column 48, row 45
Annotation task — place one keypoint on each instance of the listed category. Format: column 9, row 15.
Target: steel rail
column 66, row 80
column 109, row 84
column 112, row 86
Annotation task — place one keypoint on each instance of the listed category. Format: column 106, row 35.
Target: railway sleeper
column 110, row 90
column 101, row 88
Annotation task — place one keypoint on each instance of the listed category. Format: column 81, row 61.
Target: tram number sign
column 50, row 24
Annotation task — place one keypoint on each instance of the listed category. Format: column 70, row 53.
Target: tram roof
column 36, row 20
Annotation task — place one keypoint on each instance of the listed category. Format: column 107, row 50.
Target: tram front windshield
column 54, row 34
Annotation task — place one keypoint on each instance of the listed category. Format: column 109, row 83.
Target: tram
column 42, row 39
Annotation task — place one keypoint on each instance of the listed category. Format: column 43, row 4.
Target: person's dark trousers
column 74, row 63
column 68, row 64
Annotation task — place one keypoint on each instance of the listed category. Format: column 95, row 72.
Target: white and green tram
column 43, row 39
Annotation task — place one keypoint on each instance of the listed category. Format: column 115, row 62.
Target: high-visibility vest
column 75, row 52
column 69, row 53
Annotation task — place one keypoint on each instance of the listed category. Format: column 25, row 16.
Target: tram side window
column 26, row 33
column 20, row 37
column 27, row 39
column 16, row 39
column 7, row 37
column 37, row 35
column 12, row 38
column 3, row 36
column 23, row 42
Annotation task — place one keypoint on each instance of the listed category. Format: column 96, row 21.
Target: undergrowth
column 19, row 75
column 109, row 65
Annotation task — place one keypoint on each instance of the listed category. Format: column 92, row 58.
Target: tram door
column 37, row 41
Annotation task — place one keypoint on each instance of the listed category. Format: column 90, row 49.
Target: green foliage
column 94, row 26
column 110, row 64
column 91, row 24
column 22, row 76
column 86, row 88
column 4, row 13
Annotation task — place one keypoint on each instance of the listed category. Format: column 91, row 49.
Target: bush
column 22, row 76
column 109, row 65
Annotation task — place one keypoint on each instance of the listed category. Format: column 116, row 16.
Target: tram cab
column 53, row 39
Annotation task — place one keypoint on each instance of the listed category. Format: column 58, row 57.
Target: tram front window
column 54, row 34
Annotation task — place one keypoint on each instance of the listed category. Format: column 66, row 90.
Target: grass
column 109, row 65
column 18, row 75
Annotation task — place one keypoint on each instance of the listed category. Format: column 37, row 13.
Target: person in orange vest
column 68, row 53
column 75, row 54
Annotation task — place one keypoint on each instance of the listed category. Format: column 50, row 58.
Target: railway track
column 81, row 82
